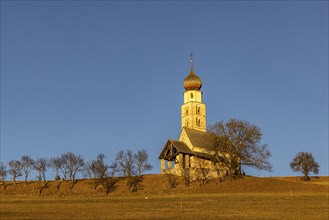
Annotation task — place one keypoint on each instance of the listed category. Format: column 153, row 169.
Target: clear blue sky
column 102, row 76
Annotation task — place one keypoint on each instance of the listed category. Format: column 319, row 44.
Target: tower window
column 198, row 110
column 197, row 120
column 191, row 95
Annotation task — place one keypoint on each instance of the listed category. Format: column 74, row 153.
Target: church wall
column 192, row 164
column 215, row 169
column 192, row 96
column 184, row 138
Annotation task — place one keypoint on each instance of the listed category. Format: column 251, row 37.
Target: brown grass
column 248, row 198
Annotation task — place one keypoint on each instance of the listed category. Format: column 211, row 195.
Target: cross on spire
column 191, row 60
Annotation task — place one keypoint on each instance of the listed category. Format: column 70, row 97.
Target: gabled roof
column 194, row 138
column 197, row 138
column 181, row 146
column 172, row 148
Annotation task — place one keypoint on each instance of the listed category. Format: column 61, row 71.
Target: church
column 190, row 152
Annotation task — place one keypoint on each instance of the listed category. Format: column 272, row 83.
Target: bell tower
column 193, row 110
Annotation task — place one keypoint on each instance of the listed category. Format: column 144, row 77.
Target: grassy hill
column 157, row 184
column 247, row 198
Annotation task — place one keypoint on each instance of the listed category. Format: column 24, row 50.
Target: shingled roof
column 197, row 138
column 179, row 147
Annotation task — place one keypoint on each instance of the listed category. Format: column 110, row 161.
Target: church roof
column 181, row 147
column 172, row 148
column 197, row 138
column 192, row 82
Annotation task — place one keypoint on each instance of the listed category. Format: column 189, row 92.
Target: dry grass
column 249, row 198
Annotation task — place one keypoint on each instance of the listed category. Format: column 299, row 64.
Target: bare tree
column 305, row 163
column 136, row 165
column 3, row 173
column 237, row 143
column 134, row 183
column 40, row 165
column 125, row 161
column 27, row 164
column 87, row 172
column 141, row 162
column 171, row 180
column 75, row 164
column 97, row 170
column 64, row 165
column 56, row 164
column 99, row 167
column 113, row 169
column 15, row 169
column 110, row 183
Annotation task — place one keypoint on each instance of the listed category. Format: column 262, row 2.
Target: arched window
column 197, row 120
column 197, row 110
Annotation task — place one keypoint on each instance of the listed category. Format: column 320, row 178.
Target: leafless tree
column 113, row 169
column 3, row 173
column 125, row 161
column 15, row 169
column 56, row 164
column 96, row 170
column 64, row 165
column 171, row 180
column 305, row 163
column 110, row 183
column 40, row 165
column 141, row 162
column 138, row 166
column 134, row 183
column 236, row 143
column 27, row 164
column 99, row 167
column 75, row 164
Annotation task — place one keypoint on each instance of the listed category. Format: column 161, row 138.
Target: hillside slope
column 157, row 184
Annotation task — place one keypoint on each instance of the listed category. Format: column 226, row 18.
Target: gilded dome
column 192, row 82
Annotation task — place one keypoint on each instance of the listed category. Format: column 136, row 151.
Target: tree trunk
column 44, row 178
column 73, row 182
column 59, row 184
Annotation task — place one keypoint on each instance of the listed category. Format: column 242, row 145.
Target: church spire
column 193, row 110
column 192, row 81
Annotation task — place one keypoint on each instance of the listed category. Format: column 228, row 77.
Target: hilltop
column 157, row 184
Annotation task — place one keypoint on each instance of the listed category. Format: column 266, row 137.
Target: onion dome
column 192, row 82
